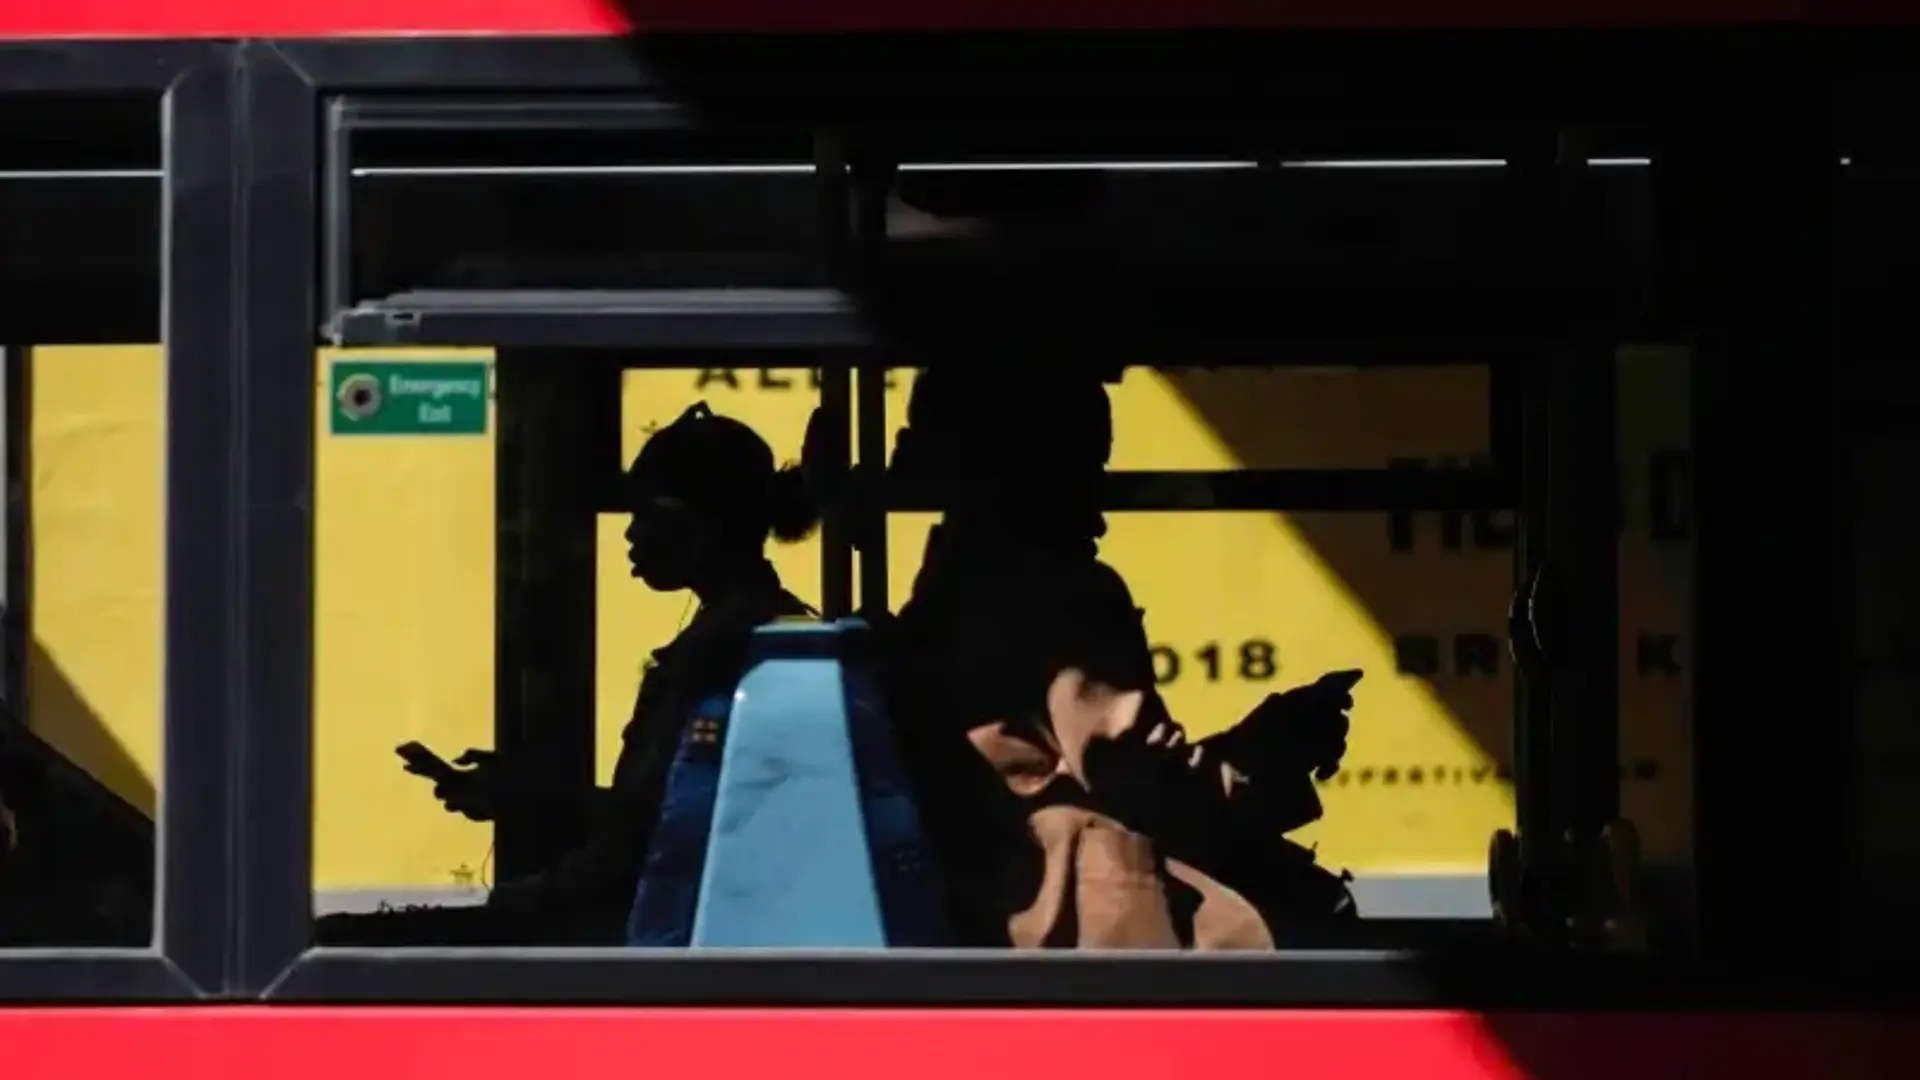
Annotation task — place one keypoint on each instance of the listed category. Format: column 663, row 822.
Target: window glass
column 1236, row 606
column 81, row 608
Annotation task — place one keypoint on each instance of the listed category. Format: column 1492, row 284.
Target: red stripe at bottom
column 373, row 1043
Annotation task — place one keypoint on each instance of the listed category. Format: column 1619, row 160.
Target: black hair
column 723, row 468
column 1039, row 439
column 1023, row 425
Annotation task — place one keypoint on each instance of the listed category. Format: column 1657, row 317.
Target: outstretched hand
column 1302, row 730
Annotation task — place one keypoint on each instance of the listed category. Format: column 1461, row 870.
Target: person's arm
column 622, row 820
column 1135, row 758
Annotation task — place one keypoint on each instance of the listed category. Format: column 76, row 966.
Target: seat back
column 812, row 835
column 669, row 893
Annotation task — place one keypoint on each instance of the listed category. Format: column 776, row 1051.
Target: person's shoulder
column 1101, row 584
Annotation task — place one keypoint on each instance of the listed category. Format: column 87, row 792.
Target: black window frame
column 193, row 92
column 243, row 214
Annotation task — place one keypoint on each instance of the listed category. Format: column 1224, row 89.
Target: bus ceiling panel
column 1169, row 320
column 394, row 132
column 646, row 319
column 671, row 221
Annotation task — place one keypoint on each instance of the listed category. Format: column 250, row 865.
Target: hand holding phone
column 1303, row 729
column 470, row 785
column 421, row 761
column 1343, row 681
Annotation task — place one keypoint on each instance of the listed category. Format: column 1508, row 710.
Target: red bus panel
column 372, row 1043
column 357, row 18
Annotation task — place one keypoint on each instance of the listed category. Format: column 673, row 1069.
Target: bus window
column 411, row 631
column 429, row 490
column 82, row 606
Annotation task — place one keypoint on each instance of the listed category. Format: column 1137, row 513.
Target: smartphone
column 1342, row 680
column 421, row 761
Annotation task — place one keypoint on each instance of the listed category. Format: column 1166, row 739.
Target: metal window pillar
column 851, row 446
column 555, row 419
column 833, row 447
column 1565, row 614
column 872, row 181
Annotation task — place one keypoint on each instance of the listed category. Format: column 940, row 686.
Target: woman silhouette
column 705, row 497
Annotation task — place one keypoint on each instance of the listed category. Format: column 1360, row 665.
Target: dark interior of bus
column 1110, row 229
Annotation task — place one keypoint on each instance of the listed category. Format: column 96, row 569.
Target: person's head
column 1027, row 447
column 704, row 494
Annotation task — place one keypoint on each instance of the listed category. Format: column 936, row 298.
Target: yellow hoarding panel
column 1238, row 605
column 97, row 464
column 403, row 640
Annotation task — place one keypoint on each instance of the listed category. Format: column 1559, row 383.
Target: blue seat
column 788, row 822
column 669, row 892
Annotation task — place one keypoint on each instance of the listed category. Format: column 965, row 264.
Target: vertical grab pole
column 1583, row 525
column 1520, row 871
column 872, row 180
column 836, row 390
column 546, row 589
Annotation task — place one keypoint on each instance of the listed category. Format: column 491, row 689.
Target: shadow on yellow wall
column 67, row 722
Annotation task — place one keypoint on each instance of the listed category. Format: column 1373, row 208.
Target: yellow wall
column 97, row 464
column 405, row 608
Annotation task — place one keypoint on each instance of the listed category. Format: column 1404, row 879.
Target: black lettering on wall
column 1252, row 660
column 1486, row 530
column 1166, row 665
column 1417, row 655
column 766, row 379
column 1375, row 774
column 1476, row 654
column 1669, row 508
column 1401, row 523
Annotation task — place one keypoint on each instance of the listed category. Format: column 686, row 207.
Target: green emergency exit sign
column 372, row 397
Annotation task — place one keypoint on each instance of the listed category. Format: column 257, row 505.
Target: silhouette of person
column 1060, row 796
column 704, row 497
